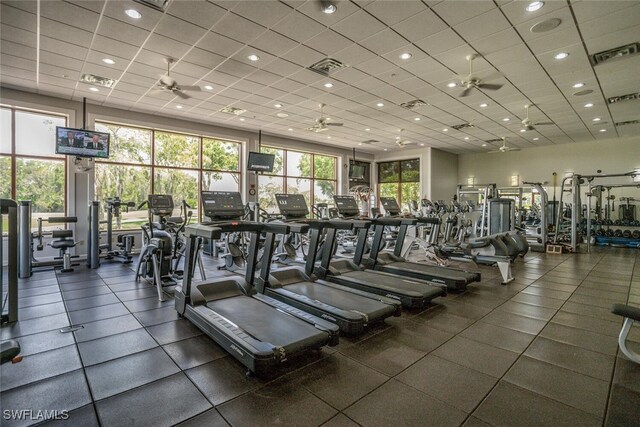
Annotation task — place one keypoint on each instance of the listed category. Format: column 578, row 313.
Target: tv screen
column 260, row 162
column 82, row 143
column 356, row 171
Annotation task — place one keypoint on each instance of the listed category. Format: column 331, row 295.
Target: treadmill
column 259, row 331
column 411, row 293
column 351, row 309
column 454, row 279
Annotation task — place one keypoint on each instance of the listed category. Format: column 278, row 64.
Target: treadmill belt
column 393, row 283
column 435, row 271
column 267, row 324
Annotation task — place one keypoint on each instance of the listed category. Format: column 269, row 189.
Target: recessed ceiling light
column 522, row 130
column 405, row 55
column 421, row 145
column 328, row 8
column 578, row 85
column 253, row 57
column 596, row 119
column 466, row 138
column 380, row 104
column 417, row 119
column 242, row 119
column 359, row 143
column 452, row 84
column 397, row 137
column 536, row 138
column 328, row 85
column 603, row 130
column 483, row 105
column 589, row 105
column 132, row 13
column 277, row 105
column 179, row 107
column 385, row 149
column 367, row 129
column 282, row 115
column 561, row 55
column 208, row 87
column 108, row 61
column 290, row 130
column 329, row 137
column 445, row 130
column 484, row 145
column 506, row 119
column 533, row 6
column 94, row 89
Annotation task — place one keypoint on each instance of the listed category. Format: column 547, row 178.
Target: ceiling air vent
column 412, row 105
column 156, row 4
column 327, row 66
column 628, row 122
column 462, row 126
column 621, row 98
column 233, row 110
column 617, row 52
column 491, row 141
column 92, row 79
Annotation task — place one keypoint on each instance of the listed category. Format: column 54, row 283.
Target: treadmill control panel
column 160, row 204
column 390, row 205
column 222, row 204
column 292, row 206
column 347, row 206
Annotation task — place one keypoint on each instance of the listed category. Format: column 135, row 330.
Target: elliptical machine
column 163, row 246
column 125, row 241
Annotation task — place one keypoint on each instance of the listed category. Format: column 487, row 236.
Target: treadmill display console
column 160, row 204
column 390, row 205
column 292, row 205
column 347, row 206
column 222, row 204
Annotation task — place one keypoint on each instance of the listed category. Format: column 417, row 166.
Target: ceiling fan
column 504, row 147
column 322, row 123
column 527, row 122
column 169, row 84
column 400, row 142
column 473, row 82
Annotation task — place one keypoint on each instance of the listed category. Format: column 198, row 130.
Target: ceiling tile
column 384, row 41
column 358, row 26
column 238, row 28
column 274, row 43
column 328, row 42
column 456, row 12
column 389, row 12
column 440, row 42
column 298, row 27
column 178, row 29
column 483, row 25
column 202, row 13
column 266, row 13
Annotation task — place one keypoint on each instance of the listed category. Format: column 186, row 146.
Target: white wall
column 539, row 163
column 444, row 175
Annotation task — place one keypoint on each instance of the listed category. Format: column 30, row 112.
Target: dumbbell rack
column 618, row 239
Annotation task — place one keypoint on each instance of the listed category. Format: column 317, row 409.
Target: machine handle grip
column 143, row 204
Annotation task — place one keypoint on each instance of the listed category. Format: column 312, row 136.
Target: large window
column 295, row 172
column 399, row 179
column 29, row 167
column 144, row 161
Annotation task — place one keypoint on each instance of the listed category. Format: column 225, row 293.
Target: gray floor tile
column 444, row 321
column 508, row 403
column 34, row 326
column 157, row 316
column 97, row 313
column 590, row 310
column 119, row 375
column 169, row 332
column 139, row 293
column 40, row 366
column 64, row 393
column 605, row 344
column 497, row 336
column 106, row 327
column 194, row 351
column 222, row 380
column 85, row 417
column 547, row 293
column 481, row 357
column 538, row 300
column 475, row 422
column 454, row 384
column 396, row 404
column 173, row 399
column 340, row 420
column 95, row 301
column 36, row 311
column 39, row 300
column 516, row 322
column 44, row 341
column 81, row 285
column 85, row 293
column 580, row 391
column 588, row 323
column 554, row 286
column 40, row 290
column 277, row 403
column 528, row 310
column 115, row 346
column 147, row 304
column 462, row 309
column 78, row 276
column 627, row 374
column 210, row 418
column 127, row 286
column 624, row 407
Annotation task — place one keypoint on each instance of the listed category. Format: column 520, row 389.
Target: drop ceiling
column 211, row 41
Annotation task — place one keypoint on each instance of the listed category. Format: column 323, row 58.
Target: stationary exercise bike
column 125, row 242
column 163, row 244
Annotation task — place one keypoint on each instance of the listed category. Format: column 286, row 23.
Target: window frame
column 400, row 181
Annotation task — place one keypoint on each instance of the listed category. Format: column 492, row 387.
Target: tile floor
column 539, row 351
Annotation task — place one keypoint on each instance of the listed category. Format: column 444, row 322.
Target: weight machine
column 10, row 349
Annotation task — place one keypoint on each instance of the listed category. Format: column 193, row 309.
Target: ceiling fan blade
column 512, row 149
column 157, row 91
column 190, row 88
column 489, row 86
column 492, row 76
column 334, row 124
column 465, row 92
column 181, row 94
column 543, row 124
column 494, row 152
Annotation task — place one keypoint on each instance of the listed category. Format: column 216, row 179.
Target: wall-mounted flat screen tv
column 82, row 142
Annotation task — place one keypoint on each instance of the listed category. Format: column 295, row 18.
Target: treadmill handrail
column 204, row 230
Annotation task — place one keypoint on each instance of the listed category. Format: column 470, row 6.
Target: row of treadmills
column 266, row 320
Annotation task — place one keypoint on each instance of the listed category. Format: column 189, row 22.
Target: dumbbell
column 636, row 234
column 617, row 233
column 626, row 233
column 600, row 232
column 617, row 222
column 609, row 233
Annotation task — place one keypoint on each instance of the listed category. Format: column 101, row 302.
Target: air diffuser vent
column 621, row 98
column 156, row 4
column 462, row 126
column 412, row 105
column 491, row 141
column 615, row 53
column 628, row 122
column 233, row 110
column 92, row 79
column 327, row 66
